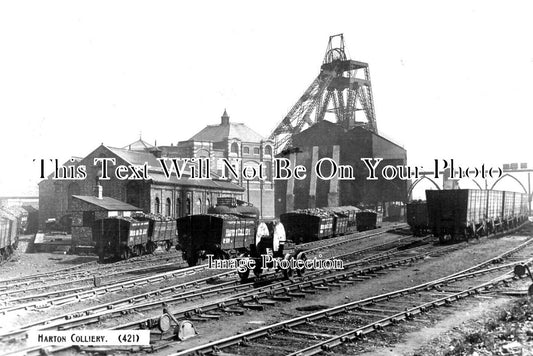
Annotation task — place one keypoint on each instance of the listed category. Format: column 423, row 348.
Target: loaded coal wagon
column 249, row 211
column 456, row 214
column 368, row 219
column 306, row 225
column 417, row 217
column 120, row 237
column 162, row 231
column 222, row 235
column 340, row 220
column 351, row 213
column 464, row 213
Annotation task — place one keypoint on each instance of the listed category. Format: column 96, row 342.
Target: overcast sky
column 451, row 79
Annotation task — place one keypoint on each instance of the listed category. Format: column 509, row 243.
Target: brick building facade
column 159, row 195
column 242, row 147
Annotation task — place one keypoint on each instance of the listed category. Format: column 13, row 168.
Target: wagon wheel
column 244, row 275
column 287, row 272
column 303, row 257
column 258, row 270
column 150, row 247
column 192, row 260
column 125, row 253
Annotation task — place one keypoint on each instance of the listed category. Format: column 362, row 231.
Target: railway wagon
column 306, row 225
column 351, row 212
column 368, row 220
column 162, row 231
column 221, row 235
column 120, row 237
column 417, row 217
column 341, row 220
column 8, row 234
column 464, row 213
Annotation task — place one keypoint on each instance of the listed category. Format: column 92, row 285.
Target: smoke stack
column 99, row 191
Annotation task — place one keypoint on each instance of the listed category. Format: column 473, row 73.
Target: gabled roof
column 138, row 145
column 107, row 203
column 136, row 157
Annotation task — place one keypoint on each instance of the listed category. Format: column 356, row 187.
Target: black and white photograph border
column 266, row 178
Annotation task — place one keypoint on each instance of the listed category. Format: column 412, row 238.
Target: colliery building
column 242, row 147
column 170, row 196
column 346, row 147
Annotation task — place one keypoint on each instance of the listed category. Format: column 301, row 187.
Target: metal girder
column 338, row 75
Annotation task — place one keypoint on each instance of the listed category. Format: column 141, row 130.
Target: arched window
column 157, row 206
column 256, row 150
column 268, row 150
column 169, row 206
column 188, row 207
column 199, row 203
column 178, row 207
column 246, row 150
column 234, row 147
column 208, row 203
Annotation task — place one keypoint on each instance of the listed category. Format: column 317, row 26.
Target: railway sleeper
column 267, row 302
column 379, row 310
column 296, row 295
column 308, row 291
column 265, row 346
column 347, row 282
column 333, row 284
column 281, row 298
column 210, row 316
column 310, row 333
column 326, row 326
column 367, row 314
column 289, row 338
column 239, row 311
column 253, row 306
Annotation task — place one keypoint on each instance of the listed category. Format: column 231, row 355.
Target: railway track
column 235, row 284
column 22, row 293
column 259, row 298
column 246, row 297
column 336, row 329
column 178, row 293
column 348, row 238
column 88, row 270
column 50, row 299
column 84, row 269
column 63, row 296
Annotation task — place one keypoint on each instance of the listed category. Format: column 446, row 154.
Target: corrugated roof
column 218, row 133
column 107, row 203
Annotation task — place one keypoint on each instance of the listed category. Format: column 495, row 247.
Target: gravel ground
column 429, row 269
